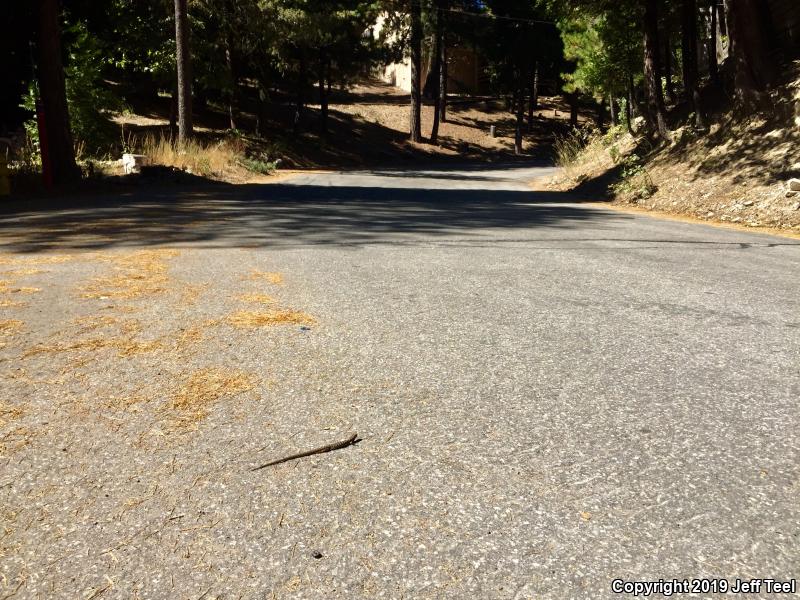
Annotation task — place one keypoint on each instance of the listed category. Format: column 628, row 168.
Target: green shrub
column 635, row 182
column 258, row 165
column 87, row 98
column 613, row 134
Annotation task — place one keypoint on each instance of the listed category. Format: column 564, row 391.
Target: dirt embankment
column 738, row 172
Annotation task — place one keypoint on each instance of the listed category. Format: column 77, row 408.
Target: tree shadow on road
column 280, row 215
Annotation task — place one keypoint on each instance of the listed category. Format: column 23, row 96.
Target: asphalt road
column 549, row 396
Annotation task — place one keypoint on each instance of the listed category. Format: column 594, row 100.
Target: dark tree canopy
column 634, row 56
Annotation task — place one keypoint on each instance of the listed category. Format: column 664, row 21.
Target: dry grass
column 123, row 308
column 191, row 293
column 9, row 412
column 10, row 326
column 22, row 272
column 7, row 259
column 123, row 340
column 585, row 153
column 193, row 335
column 245, row 319
column 274, row 278
column 194, row 398
column 125, row 346
column 94, row 322
column 12, row 303
column 256, row 298
column 195, row 157
column 104, row 339
column 6, row 288
column 142, row 273
column 16, row 439
column 125, row 403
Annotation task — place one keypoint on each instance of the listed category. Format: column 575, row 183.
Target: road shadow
column 277, row 215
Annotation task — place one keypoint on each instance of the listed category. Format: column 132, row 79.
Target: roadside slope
column 735, row 173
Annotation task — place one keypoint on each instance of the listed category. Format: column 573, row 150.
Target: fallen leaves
column 193, row 398
column 8, row 283
column 10, row 326
column 6, row 287
column 245, row 319
column 22, row 272
column 96, row 346
column 4, row 303
column 274, row 278
column 121, row 336
column 9, row 412
column 256, row 298
column 52, row 259
column 125, row 347
column 191, row 293
column 142, row 273
column 16, row 439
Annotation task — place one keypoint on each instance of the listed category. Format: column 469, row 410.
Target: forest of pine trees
column 619, row 58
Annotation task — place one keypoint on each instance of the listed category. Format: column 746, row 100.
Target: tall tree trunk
column 437, row 68
column 184, row 65
column 173, row 112
column 573, row 110
column 629, row 106
column 689, row 51
column 614, row 106
column 520, row 109
column 533, row 99
column 753, row 68
column 668, row 62
column 323, row 93
column 234, row 103
column 601, row 113
column 416, row 57
column 300, row 96
column 430, row 80
column 713, row 64
column 633, row 104
column 58, row 153
column 530, row 105
column 232, row 63
column 652, row 70
column 443, row 79
column 261, row 110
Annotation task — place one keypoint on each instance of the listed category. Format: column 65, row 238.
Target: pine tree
column 55, row 136
column 183, row 61
column 652, row 70
column 416, row 83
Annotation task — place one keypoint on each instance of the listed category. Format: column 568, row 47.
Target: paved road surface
column 549, row 396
